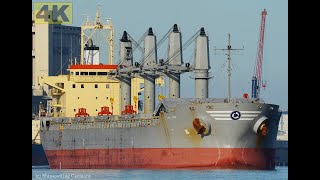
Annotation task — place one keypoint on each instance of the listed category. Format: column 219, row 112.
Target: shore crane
column 257, row 79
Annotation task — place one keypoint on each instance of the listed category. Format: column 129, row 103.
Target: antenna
column 229, row 49
column 71, row 48
column 97, row 18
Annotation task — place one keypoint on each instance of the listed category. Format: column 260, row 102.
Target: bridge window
column 82, row 85
column 96, row 86
column 102, row 73
column 83, row 73
column 92, row 73
column 73, row 86
column 107, row 86
column 77, row 73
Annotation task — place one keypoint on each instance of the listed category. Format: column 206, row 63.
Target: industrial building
column 53, row 46
column 283, row 127
column 282, row 141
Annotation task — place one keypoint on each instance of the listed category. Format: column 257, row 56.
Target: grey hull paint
column 172, row 129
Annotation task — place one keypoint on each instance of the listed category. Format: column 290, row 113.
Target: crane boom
column 256, row 79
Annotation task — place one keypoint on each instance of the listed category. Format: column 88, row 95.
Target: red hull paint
column 163, row 158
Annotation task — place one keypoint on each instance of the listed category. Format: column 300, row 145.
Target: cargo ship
column 93, row 120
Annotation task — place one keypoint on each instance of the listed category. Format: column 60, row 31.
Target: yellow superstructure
column 90, row 87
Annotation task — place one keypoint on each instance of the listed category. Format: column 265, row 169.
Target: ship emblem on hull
column 235, row 115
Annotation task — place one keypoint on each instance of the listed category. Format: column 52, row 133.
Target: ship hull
column 163, row 158
column 168, row 140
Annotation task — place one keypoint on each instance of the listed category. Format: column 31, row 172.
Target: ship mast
column 97, row 25
column 229, row 49
column 229, row 68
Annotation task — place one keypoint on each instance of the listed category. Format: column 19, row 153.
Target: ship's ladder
column 35, row 137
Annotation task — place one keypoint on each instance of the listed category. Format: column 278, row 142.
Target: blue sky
column 219, row 17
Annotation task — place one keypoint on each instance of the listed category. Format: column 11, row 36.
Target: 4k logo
column 53, row 12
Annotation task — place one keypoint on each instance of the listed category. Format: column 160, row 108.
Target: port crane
column 257, row 82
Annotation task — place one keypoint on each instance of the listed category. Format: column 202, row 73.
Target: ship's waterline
column 163, row 158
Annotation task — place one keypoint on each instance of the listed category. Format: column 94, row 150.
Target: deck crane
column 256, row 79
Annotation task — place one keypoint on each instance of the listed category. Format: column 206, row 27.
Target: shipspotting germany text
column 66, row 176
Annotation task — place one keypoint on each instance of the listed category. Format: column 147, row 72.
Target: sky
column 219, row 17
